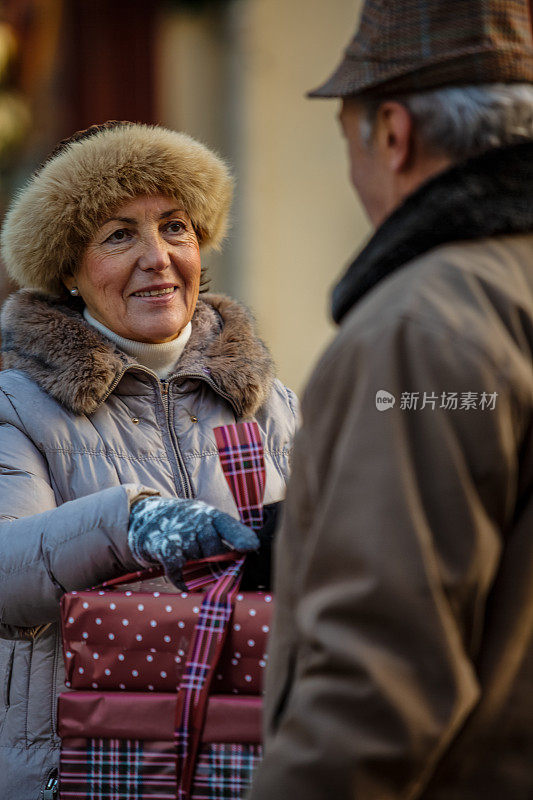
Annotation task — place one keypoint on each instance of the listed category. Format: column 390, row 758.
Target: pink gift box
column 151, row 717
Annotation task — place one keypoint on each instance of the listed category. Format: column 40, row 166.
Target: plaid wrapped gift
column 104, row 756
column 133, row 769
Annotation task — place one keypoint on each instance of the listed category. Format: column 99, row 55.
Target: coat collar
column 49, row 339
column 489, row 195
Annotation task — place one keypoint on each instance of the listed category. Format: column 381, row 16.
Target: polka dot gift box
column 137, row 641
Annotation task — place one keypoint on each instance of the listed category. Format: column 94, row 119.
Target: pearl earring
column 74, row 291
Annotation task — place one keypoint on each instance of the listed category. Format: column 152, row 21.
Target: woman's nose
column 155, row 254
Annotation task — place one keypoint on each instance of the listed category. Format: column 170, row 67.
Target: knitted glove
column 173, row 531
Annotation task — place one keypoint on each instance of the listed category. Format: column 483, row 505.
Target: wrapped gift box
column 138, row 640
column 121, row 744
column 147, row 740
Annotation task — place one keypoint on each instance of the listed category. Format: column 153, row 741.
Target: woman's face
column 140, row 274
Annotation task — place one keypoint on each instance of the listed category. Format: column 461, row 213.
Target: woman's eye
column 176, row 226
column 119, row 235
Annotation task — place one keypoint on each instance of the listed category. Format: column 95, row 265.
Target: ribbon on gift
column 196, row 574
column 242, row 460
column 240, row 451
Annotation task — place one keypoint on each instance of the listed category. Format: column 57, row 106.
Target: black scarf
column 489, row 195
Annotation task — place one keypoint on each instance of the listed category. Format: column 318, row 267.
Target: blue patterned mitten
column 172, row 531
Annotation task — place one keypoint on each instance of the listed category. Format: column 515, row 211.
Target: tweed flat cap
column 417, row 45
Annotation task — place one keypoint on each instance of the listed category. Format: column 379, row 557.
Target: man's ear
column 394, row 135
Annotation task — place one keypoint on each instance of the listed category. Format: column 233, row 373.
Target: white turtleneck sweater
column 160, row 358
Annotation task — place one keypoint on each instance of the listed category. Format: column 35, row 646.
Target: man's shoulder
column 462, row 290
column 460, row 298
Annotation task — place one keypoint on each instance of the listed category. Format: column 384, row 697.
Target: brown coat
column 401, row 659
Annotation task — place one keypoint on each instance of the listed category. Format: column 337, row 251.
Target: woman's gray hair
column 463, row 121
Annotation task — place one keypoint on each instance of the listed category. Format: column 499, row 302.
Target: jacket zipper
column 117, row 380
column 213, row 386
column 49, row 790
column 165, row 387
column 182, row 471
column 54, row 686
column 164, row 391
column 186, row 375
column 9, row 676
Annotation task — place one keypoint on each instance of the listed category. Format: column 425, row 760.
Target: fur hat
column 55, row 215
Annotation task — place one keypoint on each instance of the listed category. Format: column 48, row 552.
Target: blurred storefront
column 233, row 73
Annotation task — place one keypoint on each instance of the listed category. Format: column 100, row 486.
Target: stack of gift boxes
column 127, row 647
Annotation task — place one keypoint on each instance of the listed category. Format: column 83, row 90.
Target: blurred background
column 232, row 73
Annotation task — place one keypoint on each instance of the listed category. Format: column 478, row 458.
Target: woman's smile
column 156, row 291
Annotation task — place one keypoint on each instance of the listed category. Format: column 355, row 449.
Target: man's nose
column 155, row 254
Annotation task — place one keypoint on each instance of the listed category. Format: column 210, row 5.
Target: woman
column 115, row 375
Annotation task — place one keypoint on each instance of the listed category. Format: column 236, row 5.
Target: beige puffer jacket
column 83, row 430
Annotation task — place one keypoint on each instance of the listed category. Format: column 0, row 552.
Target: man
column 401, row 660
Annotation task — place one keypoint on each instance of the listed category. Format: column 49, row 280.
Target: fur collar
column 49, row 339
column 489, row 195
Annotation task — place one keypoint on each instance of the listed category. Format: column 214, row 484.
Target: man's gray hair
column 462, row 122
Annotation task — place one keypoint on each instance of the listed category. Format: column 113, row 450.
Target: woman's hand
column 173, row 531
